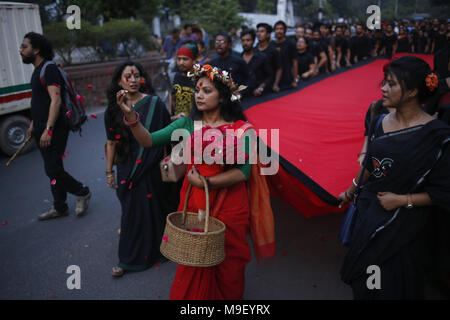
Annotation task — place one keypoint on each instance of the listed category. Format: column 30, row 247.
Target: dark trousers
column 54, row 168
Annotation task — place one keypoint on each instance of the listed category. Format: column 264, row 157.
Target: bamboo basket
column 197, row 249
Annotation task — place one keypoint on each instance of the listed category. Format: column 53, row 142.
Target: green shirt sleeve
column 163, row 136
column 246, row 167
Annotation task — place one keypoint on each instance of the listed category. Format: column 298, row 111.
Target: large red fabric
column 321, row 131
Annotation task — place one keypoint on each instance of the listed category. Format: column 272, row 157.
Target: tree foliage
column 213, row 15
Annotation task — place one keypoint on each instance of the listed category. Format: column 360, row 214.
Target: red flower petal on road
column 63, row 156
column 138, row 161
column 53, row 182
column 165, row 239
column 122, row 182
column 4, row 223
column 90, row 86
column 94, row 116
column 149, row 195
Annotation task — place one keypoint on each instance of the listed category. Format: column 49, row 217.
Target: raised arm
column 143, row 137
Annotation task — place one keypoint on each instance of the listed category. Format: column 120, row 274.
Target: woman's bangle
column 360, row 154
column 354, row 183
column 133, row 123
column 109, row 172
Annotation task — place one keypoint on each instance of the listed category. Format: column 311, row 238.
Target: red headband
column 185, row 51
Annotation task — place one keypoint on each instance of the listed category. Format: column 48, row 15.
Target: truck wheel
column 13, row 132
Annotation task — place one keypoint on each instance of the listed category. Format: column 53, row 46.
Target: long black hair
column 230, row 111
column 116, row 114
column 38, row 41
column 411, row 73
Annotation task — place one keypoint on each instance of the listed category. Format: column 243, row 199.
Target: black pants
column 54, row 168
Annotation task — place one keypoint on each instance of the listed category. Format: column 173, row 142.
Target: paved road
column 34, row 255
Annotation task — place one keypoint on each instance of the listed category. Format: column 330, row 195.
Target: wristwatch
column 49, row 128
column 410, row 204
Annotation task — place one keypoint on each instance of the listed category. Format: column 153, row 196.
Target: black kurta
column 398, row 241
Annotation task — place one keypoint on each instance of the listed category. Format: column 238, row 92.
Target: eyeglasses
column 220, row 41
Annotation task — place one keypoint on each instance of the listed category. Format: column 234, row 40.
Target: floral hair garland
column 432, row 81
column 215, row 73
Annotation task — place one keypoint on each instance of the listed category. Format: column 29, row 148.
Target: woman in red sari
column 239, row 195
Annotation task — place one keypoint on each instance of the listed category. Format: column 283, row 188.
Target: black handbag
column 346, row 232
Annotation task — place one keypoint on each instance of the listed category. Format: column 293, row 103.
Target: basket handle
column 205, row 184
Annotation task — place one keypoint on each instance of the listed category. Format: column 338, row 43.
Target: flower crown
column 432, row 81
column 215, row 73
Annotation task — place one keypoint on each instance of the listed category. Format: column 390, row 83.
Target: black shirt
column 420, row 44
column 360, row 47
column 183, row 90
column 233, row 64
column 288, row 53
column 304, row 60
column 440, row 41
column 403, row 44
column 40, row 99
column 344, row 45
column 259, row 71
column 273, row 57
column 388, row 42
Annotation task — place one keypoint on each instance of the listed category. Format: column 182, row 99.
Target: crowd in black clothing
column 267, row 65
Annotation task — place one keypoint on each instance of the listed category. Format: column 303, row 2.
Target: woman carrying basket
column 239, row 195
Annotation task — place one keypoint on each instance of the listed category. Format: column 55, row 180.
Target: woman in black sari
column 408, row 171
column 144, row 198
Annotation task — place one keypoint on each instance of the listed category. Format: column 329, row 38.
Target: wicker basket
column 197, row 249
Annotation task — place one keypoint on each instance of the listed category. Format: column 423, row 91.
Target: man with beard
column 342, row 49
column 227, row 61
column 288, row 53
column 360, row 45
column 48, row 126
column 260, row 73
column 266, row 47
column 389, row 42
column 320, row 51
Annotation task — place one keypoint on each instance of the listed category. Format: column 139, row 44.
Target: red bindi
column 200, row 85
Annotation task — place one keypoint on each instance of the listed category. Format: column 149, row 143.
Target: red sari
column 233, row 207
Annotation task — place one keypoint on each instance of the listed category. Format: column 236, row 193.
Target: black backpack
column 73, row 108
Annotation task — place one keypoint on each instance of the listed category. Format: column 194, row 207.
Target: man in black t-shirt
column 389, row 42
column 260, row 72
column 342, row 49
column 360, row 45
column 48, row 126
column 226, row 60
column 288, row 53
column 266, row 47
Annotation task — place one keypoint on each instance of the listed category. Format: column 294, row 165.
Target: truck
column 16, row 20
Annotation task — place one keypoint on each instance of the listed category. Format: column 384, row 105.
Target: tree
column 213, row 15
column 267, row 6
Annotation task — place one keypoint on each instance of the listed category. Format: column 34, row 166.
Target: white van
column 16, row 20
